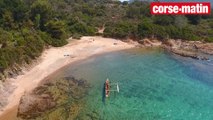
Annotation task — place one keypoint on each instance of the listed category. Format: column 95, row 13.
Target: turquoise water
column 154, row 85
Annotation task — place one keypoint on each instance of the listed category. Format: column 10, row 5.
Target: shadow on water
column 200, row 70
column 103, row 93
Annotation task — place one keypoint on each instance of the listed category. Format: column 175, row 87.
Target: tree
column 56, row 29
column 133, row 12
column 86, row 9
column 5, row 38
column 145, row 10
column 211, row 24
column 43, row 9
column 8, row 21
column 159, row 32
column 120, row 30
column 16, row 7
column 180, row 21
column 125, row 3
column 82, row 28
column 20, row 12
column 37, row 21
column 145, row 29
column 163, row 20
column 194, row 19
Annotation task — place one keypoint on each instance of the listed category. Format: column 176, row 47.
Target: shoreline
column 54, row 59
column 193, row 49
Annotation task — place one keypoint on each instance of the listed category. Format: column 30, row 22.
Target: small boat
column 108, row 85
column 107, row 88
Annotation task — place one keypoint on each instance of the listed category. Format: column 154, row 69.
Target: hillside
column 27, row 27
column 190, row 1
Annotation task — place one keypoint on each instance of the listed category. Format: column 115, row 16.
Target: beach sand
column 52, row 60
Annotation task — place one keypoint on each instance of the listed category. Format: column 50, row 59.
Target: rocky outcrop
column 5, row 90
column 185, row 53
column 16, row 70
column 205, row 48
column 173, row 43
column 193, row 49
column 150, row 43
column 12, row 72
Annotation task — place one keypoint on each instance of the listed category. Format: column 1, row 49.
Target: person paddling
column 107, row 88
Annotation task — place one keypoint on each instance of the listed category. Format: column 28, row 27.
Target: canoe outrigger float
column 107, row 87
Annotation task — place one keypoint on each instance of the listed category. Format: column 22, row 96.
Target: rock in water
column 32, row 105
column 50, row 100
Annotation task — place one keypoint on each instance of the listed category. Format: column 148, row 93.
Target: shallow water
column 154, row 85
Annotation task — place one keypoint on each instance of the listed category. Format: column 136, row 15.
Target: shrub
column 76, row 36
column 209, row 39
column 82, row 29
column 119, row 30
column 5, row 38
column 58, row 42
column 56, row 29
column 164, row 20
column 194, row 19
column 160, row 32
column 45, row 37
column 145, row 29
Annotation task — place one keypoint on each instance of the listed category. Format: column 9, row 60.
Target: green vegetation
column 27, row 26
column 135, row 21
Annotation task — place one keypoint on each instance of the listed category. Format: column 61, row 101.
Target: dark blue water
column 154, row 85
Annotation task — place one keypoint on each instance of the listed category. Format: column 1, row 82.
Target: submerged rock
column 32, row 105
column 50, row 100
column 185, row 53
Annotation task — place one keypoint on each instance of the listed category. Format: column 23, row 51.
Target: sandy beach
column 52, row 60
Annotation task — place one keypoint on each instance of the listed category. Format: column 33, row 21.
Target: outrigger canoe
column 107, row 87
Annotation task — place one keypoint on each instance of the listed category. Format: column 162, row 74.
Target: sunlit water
column 154, row 85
